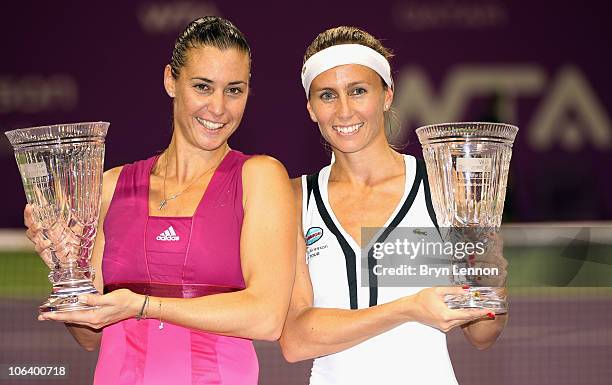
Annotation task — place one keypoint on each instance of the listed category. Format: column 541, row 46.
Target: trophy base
column 478, row 298
column 65, row 297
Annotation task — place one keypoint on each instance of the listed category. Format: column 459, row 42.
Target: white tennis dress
column 411, row 353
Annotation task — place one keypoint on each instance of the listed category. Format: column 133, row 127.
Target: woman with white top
column 362, row 333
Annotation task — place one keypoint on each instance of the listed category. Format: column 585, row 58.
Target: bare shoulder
column 109, row 183
column 265, row 179
column 263, row 165
column 111, row 177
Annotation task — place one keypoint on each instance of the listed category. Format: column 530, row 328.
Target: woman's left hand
column 112, row 307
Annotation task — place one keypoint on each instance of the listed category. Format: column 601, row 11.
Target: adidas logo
column 168, row 235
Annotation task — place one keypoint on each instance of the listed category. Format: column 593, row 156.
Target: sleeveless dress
column 178, row 257
column 411, row 353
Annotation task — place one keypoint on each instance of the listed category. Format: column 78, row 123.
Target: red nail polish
column 465, row 287
column 491, row 315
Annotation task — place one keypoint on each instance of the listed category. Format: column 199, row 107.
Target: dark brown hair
column 207, row 31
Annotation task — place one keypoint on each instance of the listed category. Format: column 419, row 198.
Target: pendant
column 165, row 201
column 161, row 325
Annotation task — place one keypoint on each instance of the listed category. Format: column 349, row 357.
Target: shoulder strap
column 311, row 180
column 428, row 202
column 372, row 262
column 349, row 253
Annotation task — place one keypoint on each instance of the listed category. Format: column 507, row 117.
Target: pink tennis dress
column 179, row 257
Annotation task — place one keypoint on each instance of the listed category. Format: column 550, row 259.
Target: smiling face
column 210, row 95
column 348, row 103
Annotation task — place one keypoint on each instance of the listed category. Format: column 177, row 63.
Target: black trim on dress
column 312, row 184
column 428, row 202
column 373, row 279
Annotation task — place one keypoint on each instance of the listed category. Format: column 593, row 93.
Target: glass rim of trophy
column 469, row 131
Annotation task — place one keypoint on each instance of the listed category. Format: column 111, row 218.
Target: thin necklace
column 165, row 200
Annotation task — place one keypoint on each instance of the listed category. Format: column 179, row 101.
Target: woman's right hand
column 430, row 309
column 35, row 234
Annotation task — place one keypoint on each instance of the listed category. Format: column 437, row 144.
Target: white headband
column 342, row 54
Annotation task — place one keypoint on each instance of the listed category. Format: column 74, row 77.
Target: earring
column 386, row 107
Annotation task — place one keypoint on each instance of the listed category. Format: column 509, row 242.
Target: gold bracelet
column 161, row 323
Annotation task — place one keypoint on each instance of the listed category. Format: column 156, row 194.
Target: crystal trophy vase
column 61, row 168
column 467, row 166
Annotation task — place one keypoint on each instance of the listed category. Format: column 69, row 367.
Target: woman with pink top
column 188, row 239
